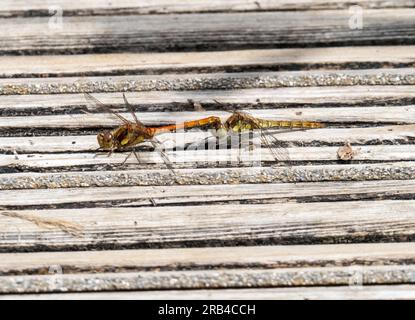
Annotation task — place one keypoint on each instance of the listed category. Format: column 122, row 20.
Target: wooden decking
column 77, row 225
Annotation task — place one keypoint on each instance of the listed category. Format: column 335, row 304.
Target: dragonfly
column 240, row 121
column 131, row 133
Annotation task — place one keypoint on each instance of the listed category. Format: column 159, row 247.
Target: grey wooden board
column 311, row 96
column 12, row 8
column 201, row 157
column 208, row 81
column 148, row 215
column 267, row 257
column 251, row 175
column 286, row 223
column 208, row 31
column 378, row 292
column 119, row 63
column 241, row 278
column 188, row 195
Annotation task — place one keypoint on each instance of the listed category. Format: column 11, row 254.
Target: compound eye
column 108, row 136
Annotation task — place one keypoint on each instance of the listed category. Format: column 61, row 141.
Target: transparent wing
column 130, row 108
column 281, row 152
column 95, row 103
column 157, row 147
column 278, row 151
column 276, row 148
column 154, row 142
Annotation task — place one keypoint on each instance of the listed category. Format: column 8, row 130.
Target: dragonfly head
column 106, row 140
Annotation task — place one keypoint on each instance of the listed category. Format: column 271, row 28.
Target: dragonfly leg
column 96, row 152
column 126, row 158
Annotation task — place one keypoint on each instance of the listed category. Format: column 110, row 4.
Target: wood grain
column 179, row 62
column 209, row 194
column 398, row 133
column 12, row 8
column 285, row 223
column 378, row 292
column 267, row 257
column 214, row 227
column 200, row 158
column 353, row 115
column 209, row 31
column 248, row 98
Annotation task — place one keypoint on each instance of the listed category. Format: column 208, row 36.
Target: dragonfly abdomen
column 266, row 124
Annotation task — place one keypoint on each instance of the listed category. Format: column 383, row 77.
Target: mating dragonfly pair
column 131, row 133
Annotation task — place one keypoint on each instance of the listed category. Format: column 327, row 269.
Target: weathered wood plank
column 285, row 223
column 211, row 158
column 136, row 63
column 210, row 279
column 14, row 8
column 217, row 31
column 208, row 81
column 384, row 115
column 208, row 258
column 249, row 98
column 187, row 195
column 378, row 292
column 251, row 175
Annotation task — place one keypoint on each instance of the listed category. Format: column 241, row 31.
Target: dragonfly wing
column 96, row 104
column 130, row 108
column 157, row 147
column 278, row 151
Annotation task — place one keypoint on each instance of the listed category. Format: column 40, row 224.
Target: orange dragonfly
column 132, row 133
column 239, row 122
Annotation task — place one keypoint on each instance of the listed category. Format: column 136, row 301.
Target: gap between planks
column 209, row 225
column 119, row 63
